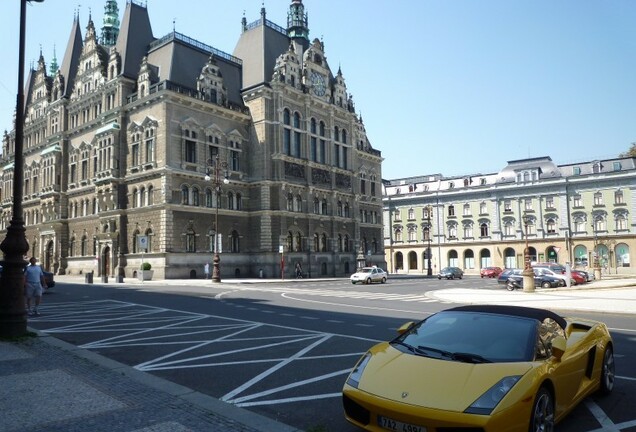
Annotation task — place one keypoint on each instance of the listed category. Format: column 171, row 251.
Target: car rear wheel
column 353, row 282
column 383, row 280
column 607, row 373
column 368, row 281
column 542, row 416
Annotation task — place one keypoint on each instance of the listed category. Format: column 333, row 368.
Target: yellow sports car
column 480, row 369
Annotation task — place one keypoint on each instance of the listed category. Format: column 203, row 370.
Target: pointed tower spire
column 54, row 66
column 110, row 27
column 297, row 23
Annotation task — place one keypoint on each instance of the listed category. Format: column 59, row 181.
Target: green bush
column 146, row 266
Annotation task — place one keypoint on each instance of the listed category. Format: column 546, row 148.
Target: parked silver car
column 451, row 273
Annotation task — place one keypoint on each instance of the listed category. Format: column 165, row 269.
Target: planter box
column 144, row 275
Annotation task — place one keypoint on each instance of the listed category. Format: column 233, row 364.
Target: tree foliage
column 631, row 152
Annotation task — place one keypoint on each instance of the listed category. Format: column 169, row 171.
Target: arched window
column 297, row 120
column 135, row 242
column 298, row 205
column 347, row 243
column 286, row 117
column 72, row 250
column 234, row 242
column 483, row 230
column 550, row 226
column 452, row 231
column 239, row 202
column 209, row 201
column 135, row 197
column 290, row 241
column 230, row 201
column 621, row 223
column 191, row 245
column 84, row 246
column 290, row 202
column 340, row 244
column 185, row 195
column 579, row 224
column 298, row 244
column 316, row 243
column 195, row 196
column 316, row 206
column 344, row 136
column 149, row 236
column 323, row 243
column 151, row 200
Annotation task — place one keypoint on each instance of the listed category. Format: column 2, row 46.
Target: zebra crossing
column 338, row 293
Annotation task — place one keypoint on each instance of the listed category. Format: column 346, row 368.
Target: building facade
column 125, row 144
column 582, row 214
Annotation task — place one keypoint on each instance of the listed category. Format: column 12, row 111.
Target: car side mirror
column 558, row 347
column 405, row 327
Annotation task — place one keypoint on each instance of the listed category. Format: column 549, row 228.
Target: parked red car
column 490, row 272
column 580, row 278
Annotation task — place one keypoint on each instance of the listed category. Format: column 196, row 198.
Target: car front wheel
column 546, row 284
column 368, row 281
column 383, row 280
column 542, row 416
column 607, row 373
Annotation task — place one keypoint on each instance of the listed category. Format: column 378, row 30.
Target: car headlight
column 356, row 373
column 489, row 400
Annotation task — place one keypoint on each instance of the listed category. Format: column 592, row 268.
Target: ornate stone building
column 576, row 213
column 120, row 139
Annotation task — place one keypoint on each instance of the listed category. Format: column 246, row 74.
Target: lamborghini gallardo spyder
column 480, row 369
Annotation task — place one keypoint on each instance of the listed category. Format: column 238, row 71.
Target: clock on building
column 318, row 84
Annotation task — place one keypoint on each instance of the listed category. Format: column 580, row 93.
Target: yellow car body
column 406, row 392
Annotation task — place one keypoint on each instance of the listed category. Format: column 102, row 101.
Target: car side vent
column 591, row 355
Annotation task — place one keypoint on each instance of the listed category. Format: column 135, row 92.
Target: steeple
column 297, row 23
column 54, row 66
column 110, row 28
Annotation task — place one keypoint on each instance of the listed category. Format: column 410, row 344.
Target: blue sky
column 444, row 86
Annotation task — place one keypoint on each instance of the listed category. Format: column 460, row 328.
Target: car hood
column 429, row 382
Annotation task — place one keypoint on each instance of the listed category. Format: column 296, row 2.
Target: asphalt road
column 283, row 350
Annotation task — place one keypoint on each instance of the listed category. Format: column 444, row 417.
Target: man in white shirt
column 33, row 285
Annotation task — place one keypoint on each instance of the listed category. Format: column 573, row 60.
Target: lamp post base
column 597, row 273
column 528, row 280
column 216, row 268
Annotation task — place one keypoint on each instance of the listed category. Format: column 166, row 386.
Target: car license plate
column 394, row 425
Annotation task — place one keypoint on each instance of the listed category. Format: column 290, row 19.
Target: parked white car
column 368, row 275
column 546, row 271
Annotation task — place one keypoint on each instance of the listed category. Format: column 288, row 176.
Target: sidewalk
column 50, row 385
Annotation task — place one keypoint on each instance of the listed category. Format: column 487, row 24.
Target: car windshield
column 365, row 270
column 473, row 337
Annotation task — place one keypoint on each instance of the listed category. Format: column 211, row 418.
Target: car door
column 569, row 373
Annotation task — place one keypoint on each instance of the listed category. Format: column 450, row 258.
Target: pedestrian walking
column 299, row 271
column 33, row 286
column 206, row 270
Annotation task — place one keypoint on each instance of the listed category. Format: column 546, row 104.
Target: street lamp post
column 13, row 321
column 595, row 260
column 528, row 273
column 217, row 166
column 429, row 270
